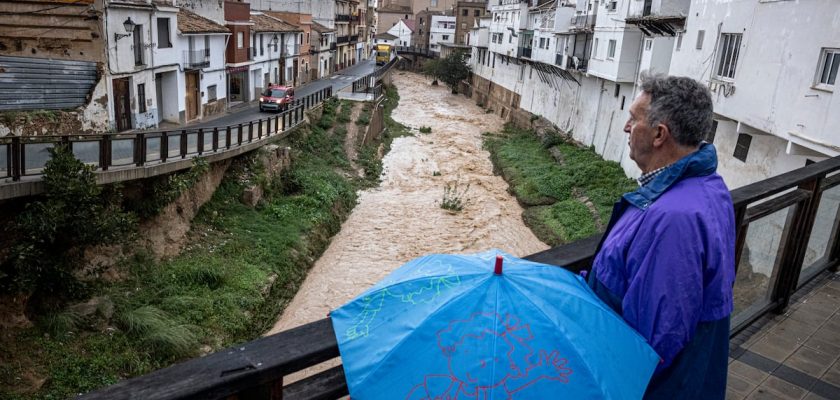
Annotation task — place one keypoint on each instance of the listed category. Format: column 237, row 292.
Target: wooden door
column 122, row 104
column 193, row 95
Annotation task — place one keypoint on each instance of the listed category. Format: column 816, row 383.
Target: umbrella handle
column 498, row 269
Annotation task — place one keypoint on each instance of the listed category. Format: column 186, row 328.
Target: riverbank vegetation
column 567, row 190
column 240, row 268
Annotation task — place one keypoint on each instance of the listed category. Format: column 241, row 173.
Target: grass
column 553, row 192
column 368, row 155
column 243, row 265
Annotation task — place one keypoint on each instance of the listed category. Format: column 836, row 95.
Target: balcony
column 196, row 59
column 342, row 39
column 584, row 22
column 523, row 52
column 333, row 46
column 354, row 18
column 570, row 64
column 342, row 18
column 354, row 39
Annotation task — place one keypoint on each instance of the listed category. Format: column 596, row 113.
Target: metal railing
column 23, row 158
column 523, row 52
column 196, row 59
column 342, row 39
column 791, row 217
column 586, row 21
column 415, row 50
column 342, row 18
column 371, row 80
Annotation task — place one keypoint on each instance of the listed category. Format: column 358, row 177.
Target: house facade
column 441, row 32
column 403, row 30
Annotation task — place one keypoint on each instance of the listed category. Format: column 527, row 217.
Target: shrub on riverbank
column 567, row 191
column 368, row 157
column 240, row 269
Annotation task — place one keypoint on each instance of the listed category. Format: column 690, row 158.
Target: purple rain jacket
column 667, row 264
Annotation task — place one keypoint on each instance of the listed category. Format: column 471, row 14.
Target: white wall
column 440, row 26
column 402, row 32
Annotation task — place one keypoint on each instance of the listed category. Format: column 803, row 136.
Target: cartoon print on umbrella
column 424, row 290
column 510, row 371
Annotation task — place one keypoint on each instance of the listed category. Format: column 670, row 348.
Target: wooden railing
column 24, row 157
column 792, row 215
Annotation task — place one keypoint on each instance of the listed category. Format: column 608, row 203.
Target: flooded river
column 402, row 218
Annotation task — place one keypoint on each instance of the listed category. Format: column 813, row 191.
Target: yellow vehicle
column 383, row 54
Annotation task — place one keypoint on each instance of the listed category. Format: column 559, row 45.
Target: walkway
column 793, row 355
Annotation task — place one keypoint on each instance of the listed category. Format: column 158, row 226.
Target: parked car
column 277, row 98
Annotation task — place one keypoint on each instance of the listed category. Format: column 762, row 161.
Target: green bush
column 453, row 199
column 425, row 129
column 74, row 213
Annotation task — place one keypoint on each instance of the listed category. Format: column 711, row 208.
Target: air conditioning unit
column 611, row 6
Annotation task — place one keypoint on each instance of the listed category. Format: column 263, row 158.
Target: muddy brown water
column 402, row 218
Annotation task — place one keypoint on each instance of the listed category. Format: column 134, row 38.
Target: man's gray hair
column 682, row 104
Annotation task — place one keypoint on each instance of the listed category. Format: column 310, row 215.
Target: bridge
column 417, row 51
column 783, row 332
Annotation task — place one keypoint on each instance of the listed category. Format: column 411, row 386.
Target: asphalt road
column 250, row 112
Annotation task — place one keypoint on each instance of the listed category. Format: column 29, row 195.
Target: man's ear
column 662, row 135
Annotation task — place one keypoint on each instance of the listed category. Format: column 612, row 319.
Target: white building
column 165, row 67
column 402, row 30
column 441, row 31
column 275, row 46
column 323, row 41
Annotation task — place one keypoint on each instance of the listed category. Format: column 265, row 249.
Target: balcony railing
column 196, row 59
column 354, row 38
column 342, row 18
column 333, row 46
column 354, row 18
column 583, row 22
column 342, row 39
column 523, row 52
column 776, row 215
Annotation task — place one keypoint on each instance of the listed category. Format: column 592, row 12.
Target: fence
column 24, row 157
column 371, row 80
column 806, row 202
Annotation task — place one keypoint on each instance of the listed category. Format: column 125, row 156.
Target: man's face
column 641, row 134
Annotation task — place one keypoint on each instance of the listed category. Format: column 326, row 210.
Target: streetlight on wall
column 274, row 42
column 129, row 27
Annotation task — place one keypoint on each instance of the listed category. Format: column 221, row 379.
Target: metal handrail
column 262, row 364
column 141, row 149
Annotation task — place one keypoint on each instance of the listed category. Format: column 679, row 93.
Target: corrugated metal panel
column 39, row 83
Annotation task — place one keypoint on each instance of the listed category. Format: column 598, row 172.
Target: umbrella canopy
column 463, row 327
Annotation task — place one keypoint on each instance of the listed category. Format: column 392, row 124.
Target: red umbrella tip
column 498, row 270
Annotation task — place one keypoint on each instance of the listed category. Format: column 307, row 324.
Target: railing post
column 227, row 137
column 16, row 158
column 200, row 141
column 797, row 242
column 140, row 149
column 277, row 127
column 250, row 131
column 215, row 139
column 183, row 143
column 164, row 146
column 259, row 129
column 105, row 152
column 239, row 136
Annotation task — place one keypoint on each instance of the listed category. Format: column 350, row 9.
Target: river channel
column 401, row 219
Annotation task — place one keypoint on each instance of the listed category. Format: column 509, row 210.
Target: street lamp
column 129, row 27
column 274, row 42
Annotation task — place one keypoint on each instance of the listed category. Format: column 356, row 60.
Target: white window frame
column 611, row 45
column 822, row 79
column 240, row 40
column 726, row 60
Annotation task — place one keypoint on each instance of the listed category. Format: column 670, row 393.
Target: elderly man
column 667, row 260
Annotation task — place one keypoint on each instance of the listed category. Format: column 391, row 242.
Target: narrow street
column 402, row 218
column 339, row 80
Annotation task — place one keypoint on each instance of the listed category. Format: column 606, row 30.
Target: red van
column 277, row 98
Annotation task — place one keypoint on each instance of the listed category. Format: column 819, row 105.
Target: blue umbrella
column 463, row 327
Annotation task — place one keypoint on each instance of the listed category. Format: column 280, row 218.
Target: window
column 463, row 25
column 141, row 98
column 611, row 49
column 476, row 13
column 728, row 54
column 240, row 39
column 700, row 36
column 207, row 45
column 742, row 147
column 465, row 12
column 494, row 60
column 611, row 6
column 434, row 4
column 595, row 49
column 617, row 90
column 648, row 44
column 510, row 39
column 711, row 136
column 211, row 93
column 679, row 41
column 829, row 63
column 138, row 44
column 547, row 43
column 262, row 44
column 623, row 98
column 445, row 37
column 163, row 33
column 542, row 42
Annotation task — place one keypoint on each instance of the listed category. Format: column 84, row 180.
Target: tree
column 75, row 213
column 450, row 70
